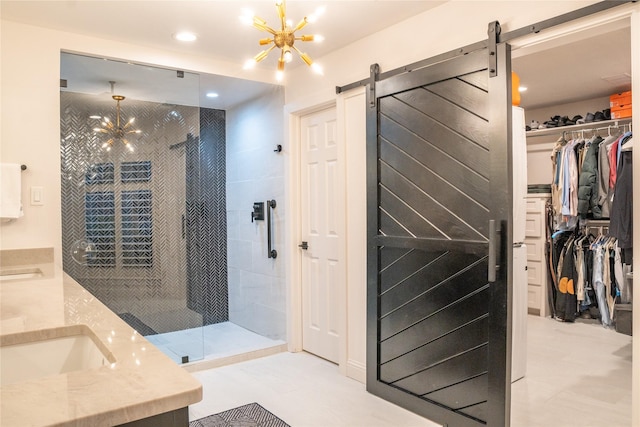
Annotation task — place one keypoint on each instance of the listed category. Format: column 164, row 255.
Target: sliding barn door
column 438, row 224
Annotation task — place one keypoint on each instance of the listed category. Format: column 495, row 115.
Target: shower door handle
column 271, row 253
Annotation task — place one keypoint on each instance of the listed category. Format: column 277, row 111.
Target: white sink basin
column 73, row 349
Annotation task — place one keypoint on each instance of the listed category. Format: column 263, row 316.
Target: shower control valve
column 258, row 212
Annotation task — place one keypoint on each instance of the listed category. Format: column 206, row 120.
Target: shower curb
column 202, row 365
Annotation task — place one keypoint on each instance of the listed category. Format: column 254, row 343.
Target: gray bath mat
column 251, row 415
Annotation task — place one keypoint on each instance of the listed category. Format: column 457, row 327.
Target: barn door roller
column 494, row 34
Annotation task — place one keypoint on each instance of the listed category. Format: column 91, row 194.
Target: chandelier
column 283, row 39
column 116, row 131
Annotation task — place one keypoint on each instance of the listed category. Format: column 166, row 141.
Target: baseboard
column 357, row 371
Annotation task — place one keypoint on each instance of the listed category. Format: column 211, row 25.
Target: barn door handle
column 493, row 252
column 271, row 253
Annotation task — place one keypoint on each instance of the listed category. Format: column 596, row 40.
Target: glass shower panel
column 132, row 206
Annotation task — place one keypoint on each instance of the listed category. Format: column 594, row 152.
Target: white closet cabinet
column 535, row 237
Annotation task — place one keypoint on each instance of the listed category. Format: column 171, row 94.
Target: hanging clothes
column 599, row 283
column 566, row 301
column 591, row 180
column 603, row 176
column 584, row 177
column 613, row 163
column 556, row 184
column 588, row 270
column 588, row 181
column 570, row 179
column 622, row 204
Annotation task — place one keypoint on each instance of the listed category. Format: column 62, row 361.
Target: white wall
column 255, row 173
column 635, row 83
column 351, row 110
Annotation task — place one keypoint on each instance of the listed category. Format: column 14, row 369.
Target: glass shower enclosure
column 144, row 203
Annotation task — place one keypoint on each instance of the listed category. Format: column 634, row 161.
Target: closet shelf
column 597, row 222
column 591, row 125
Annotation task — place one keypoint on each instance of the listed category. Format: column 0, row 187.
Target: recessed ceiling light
column 522, row 89
column 95, row 117
column 185, row 36
column 212, row 95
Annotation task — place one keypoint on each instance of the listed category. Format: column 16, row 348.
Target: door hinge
column 304, row 245
column 494, row 35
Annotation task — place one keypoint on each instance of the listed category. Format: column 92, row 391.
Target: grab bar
column 271, row 253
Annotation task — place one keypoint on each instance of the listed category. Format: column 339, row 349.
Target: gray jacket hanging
column 588, row 182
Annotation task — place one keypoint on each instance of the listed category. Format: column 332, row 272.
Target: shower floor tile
column 210, row 342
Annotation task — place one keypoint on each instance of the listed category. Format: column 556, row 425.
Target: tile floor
column 577, row 375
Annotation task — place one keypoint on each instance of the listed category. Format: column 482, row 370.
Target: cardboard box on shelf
column 621, row 113
column 618, row 100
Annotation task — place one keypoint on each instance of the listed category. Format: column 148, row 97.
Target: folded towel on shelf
column 10, row 191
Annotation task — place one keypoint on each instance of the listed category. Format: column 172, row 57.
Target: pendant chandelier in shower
column 283, row 39
column 116, row 131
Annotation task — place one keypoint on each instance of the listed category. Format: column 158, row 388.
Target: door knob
column 304, row 245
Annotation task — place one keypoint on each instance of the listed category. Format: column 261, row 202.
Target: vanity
column 67, row 360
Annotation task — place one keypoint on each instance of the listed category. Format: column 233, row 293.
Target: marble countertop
column 141, row 383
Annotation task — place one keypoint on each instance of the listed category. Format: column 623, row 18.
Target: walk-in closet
column 578, row 231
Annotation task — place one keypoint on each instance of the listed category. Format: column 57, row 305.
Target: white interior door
column 322, row 227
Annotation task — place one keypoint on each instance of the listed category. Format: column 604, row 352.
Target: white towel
column 10, row 191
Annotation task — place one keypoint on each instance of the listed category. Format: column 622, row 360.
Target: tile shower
column 173, row 250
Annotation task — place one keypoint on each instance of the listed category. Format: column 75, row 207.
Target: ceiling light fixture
column 283, row 38
column 185, row 36
column 116, row 132
column 212, row 95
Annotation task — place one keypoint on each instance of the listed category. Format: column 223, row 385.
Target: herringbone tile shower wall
column 184, row 212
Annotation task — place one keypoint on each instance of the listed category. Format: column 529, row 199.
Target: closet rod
column 607, row 128
column 602, row 225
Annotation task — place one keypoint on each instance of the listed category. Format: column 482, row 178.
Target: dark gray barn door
column 438, row 184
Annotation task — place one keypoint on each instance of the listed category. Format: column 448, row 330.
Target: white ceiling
column 594, row 63
column 563, row 70
column 216, row 22
column 220, row 33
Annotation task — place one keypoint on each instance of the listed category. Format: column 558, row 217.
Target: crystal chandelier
column 116, row 131
column 283, row 39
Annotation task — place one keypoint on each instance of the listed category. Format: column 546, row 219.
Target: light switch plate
column 37, row 196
